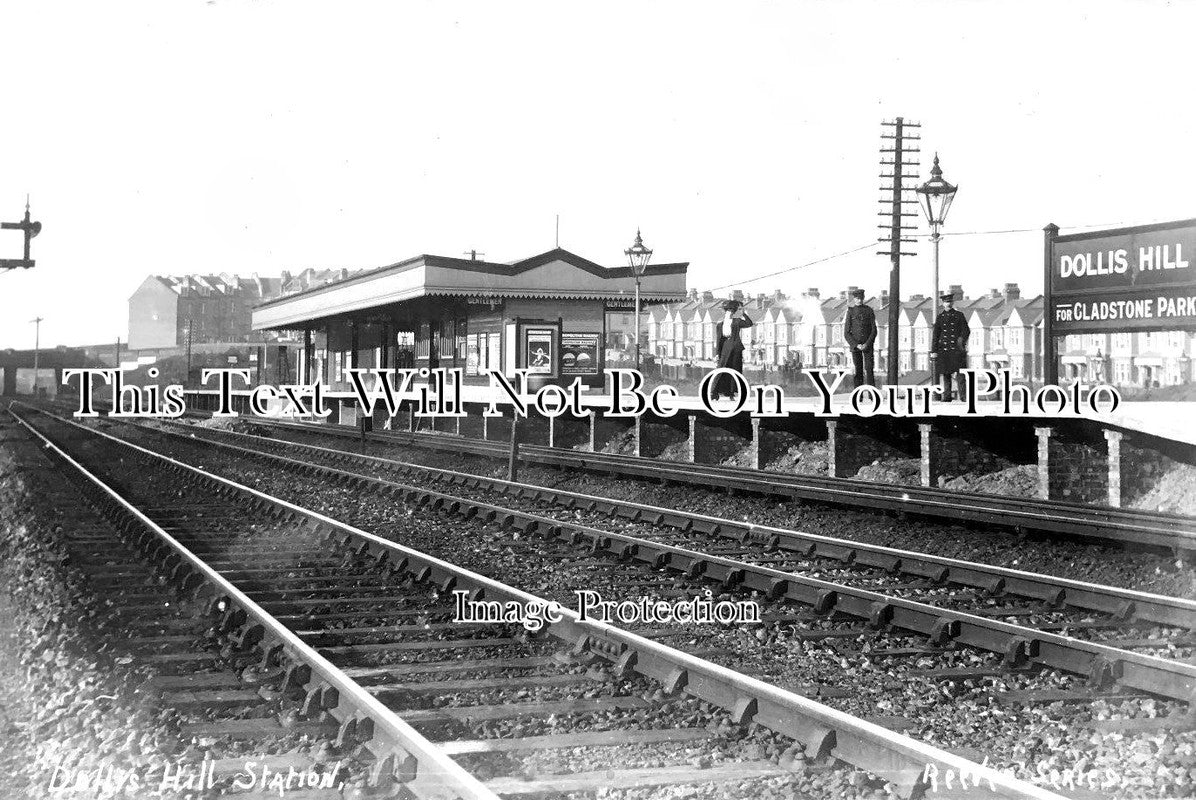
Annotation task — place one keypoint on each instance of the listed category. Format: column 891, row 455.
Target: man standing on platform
column 859, row 330
column 949, row 345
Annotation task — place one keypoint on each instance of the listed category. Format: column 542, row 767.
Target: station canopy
column 554, row 275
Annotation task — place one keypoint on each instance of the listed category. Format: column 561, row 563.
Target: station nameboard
column 1129, row 279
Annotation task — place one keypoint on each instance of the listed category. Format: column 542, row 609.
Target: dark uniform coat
column 950, row 340
column 860, row 326
column 730, row 354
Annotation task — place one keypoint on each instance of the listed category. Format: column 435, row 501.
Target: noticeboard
column 581, row 353
column 1128, row 279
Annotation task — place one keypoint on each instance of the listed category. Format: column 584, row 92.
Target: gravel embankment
column 66, row 701
column 1174, row 492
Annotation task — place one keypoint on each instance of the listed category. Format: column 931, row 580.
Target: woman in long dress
column 730, row 347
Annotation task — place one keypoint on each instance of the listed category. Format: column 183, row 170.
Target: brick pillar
column 693, row 437
column 833, row 462
column 1114, row 441
column 930, row 454
column 756, row 460
column 1044, row 462
column 593, row 431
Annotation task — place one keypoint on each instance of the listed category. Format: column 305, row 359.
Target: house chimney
column 812, row 292
column 760, row 298
column 693, row 294
column 884, row 296
column 778, row 296
column 917, row 297
column 707, row 297
column 994, row 293
column 843, row 295
column 1012, row 292
column 344, row 273
column 286, row 276
column 737, row 294
column 957, row 291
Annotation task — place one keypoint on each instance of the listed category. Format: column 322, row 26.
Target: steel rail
column 825, row 731
column 1017, row 644
column 1056, row 591
column 1154, row 529
column 397, row 747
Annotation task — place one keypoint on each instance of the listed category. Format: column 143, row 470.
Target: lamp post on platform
column 638, row 257
column 935, row 197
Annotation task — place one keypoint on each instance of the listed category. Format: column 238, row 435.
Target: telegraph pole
column 37, row 349
column 893, row 207
column 30, row 229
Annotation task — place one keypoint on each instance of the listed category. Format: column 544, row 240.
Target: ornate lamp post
column 638, row 257
column 935, row 196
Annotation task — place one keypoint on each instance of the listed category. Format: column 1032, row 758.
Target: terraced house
column 807, row 331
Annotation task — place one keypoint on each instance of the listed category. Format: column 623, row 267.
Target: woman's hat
column 858, row 293
column 731, row 305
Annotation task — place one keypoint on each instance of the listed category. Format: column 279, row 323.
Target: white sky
column 172, row 137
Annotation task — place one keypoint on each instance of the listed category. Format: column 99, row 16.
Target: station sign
column 1129, row 279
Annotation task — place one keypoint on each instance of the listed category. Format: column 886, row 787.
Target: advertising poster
column 539, row 356
column 580, row 353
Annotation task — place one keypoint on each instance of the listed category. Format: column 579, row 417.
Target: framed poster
column 538, row 350
column 471, row 354
column 580, row 353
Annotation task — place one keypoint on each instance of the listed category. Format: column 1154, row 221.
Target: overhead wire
column 918, row 235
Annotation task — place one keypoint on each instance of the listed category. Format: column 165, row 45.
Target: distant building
column 213, row 308
column 807, row 331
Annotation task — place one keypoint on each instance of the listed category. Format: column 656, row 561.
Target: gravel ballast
column 960, row 713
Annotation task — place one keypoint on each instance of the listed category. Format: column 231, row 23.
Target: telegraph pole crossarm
column 30, row 229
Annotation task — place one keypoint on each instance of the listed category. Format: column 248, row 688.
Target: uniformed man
column 949, row 345
column 859, row 331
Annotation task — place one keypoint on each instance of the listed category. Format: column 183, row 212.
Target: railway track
column 1105, row 633
column 224, row 671
column 375, row 612
column 857, row 623
column 1171, row 532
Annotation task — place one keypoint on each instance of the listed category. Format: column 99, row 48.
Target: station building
column 547, row 314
